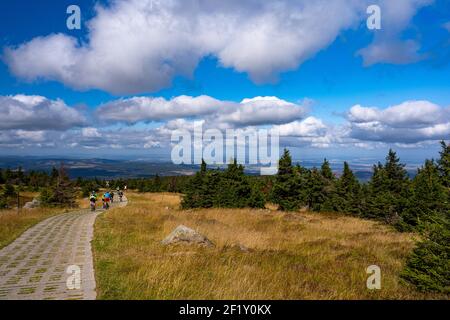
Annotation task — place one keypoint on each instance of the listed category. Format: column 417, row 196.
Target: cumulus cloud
column 139, row 46
column 310, row 127
column 155, row 109
column 249, row 112
column 408, row 122
column 33, row 113
column 35, row 121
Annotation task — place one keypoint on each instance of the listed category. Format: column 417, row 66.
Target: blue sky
column 318, row 69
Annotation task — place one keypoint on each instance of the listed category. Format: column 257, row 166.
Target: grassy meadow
column 13, row 223
column 290, row 255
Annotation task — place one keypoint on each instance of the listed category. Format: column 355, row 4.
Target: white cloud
column 408, row 122
column 310, row 127
column 139, row 46
column 155, row 109
column 255, row 111
column 35, row 113
column 90, row 133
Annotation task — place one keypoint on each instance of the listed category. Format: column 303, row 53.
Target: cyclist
column 92, row 200
column 106, row 198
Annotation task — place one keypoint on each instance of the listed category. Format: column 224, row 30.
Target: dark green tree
column 349, row 196
column 62, row 193
column 444, row 164
column 428, row 267
column 428, row 199
column 329, row 195
column 286, row 189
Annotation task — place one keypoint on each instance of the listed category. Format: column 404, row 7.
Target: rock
column 185, row 235
column 243, row 248
column 32, row 204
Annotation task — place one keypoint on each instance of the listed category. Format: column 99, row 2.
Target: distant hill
column 107, row 168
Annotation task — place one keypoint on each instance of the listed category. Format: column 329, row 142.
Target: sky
column 138, row 70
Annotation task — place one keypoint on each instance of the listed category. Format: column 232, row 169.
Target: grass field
column 13, row 223
column 291, row 256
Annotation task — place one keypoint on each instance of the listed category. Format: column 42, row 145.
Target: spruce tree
column 396, row 174
column 428, row 200
column 285, row 189
column 428, row 267
column 389, row 190
column 316, row 185
column 326, row 171
column 329, row 187
column 62, row 193
column 444, row 164
column 348, row 192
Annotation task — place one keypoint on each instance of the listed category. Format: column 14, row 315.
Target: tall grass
column 13, row 223
column 290, row 256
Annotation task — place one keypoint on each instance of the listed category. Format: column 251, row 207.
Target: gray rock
column 185, row 235
column 32, row 204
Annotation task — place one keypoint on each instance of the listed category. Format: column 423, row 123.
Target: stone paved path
column 35, row 266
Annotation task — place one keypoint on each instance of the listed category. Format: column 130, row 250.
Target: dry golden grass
column 13, row 223
column 292, row 255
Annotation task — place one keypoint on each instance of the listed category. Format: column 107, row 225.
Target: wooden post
column 18, row 200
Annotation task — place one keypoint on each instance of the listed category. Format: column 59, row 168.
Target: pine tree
column 428, row 267
column 326, row 171
column 348, row 192
column 285, row 189
column 444, row 164
column 396, row 173
column 315, row 195
column 61, row 193
column 389, row 190
column 329, row 187
column 428, row 200
column 194, row 196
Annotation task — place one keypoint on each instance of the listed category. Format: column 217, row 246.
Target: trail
column 35, row 266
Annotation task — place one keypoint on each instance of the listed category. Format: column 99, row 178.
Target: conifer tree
column 193, row 195
column 444, row 164
column 329, row 187
column 285, row 189
column 428, row 267
column 326, row 171
column 61, row 193
column 428, row 200
column 316, row 185
column 348, row 192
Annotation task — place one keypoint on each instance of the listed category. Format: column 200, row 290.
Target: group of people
column 107, row 198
